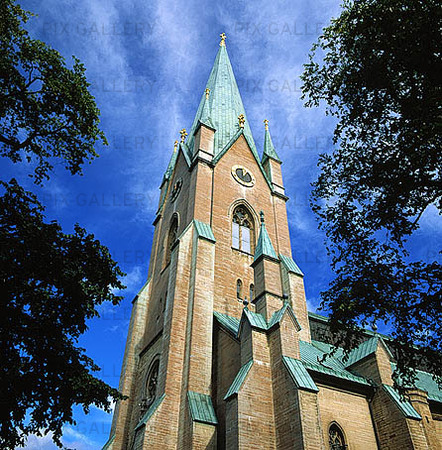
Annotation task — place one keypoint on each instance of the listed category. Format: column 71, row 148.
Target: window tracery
column 242, row 230
column 336, row 438
column 150, row 390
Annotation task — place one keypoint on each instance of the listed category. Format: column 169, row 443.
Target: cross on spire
column 266, row 124
column 183, row 133
column 223, row 39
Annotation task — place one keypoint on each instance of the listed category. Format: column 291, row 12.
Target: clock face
column 243, row 176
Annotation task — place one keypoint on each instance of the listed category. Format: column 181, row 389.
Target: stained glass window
column 336, row 438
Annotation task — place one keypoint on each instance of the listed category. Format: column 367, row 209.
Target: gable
column 243, row 147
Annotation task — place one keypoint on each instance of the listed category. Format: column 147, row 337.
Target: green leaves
column 51, row 282
column 46, row 110
column 378, row 77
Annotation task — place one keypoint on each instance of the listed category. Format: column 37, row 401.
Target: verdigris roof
column 269, row 149
column 201, row 408
column 278, row 315
column 299, row 374
column 205, row 115
column 256, row 320
column 426, row 383
column 239, row 379
column 264, row 247
column 290, row 265
column 365, row 349
column 219, row 109
column 313, row 358
column 404, row 406
column 204, row 230
column 172, row 163
column 228, row 322
column 224, row 105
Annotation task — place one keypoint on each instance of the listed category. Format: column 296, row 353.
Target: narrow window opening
column 242, row 230
column 171, row 239
column 150, row 389
column 239, row 289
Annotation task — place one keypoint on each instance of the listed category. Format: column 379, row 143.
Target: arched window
column 243, row 235
column 152, row 382
column 150, row 390
column 171, row 238
column 252, row 292
column 238, row 289
column 336, row 438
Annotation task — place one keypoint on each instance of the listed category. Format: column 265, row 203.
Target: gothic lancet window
column 238, row 289
column 252, row 292
column 150, row 389
column 242, row 230
column 152, row 382
column 171, row 238
column 336, row 438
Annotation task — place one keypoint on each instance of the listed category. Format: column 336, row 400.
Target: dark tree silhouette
column 377, row 69
column 50, row 282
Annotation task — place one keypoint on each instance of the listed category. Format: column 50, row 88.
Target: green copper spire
column 264, row 246
column 269, row 149
column 172, row 161
column 205, row 114
column 224, row 104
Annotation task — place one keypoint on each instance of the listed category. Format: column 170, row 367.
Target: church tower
column 213, row 353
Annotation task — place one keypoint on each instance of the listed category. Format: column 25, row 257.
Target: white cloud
column 40, row 442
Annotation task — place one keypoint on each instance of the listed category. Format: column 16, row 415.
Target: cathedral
column 221, row 351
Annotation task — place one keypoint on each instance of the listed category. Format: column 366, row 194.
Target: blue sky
column 148, row 63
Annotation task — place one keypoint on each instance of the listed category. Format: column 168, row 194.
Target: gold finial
column 223, row 39
column 207, row 91
column 183, row 133
column 266, row 124
column 175, row 145
column 242, row 120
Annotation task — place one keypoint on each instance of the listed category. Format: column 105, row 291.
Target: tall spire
column 269, row 149
column 264, row 247
column 223, row 105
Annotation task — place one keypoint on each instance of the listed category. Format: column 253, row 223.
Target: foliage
column 51, row 282
column 46, row 110
column 377, row 69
